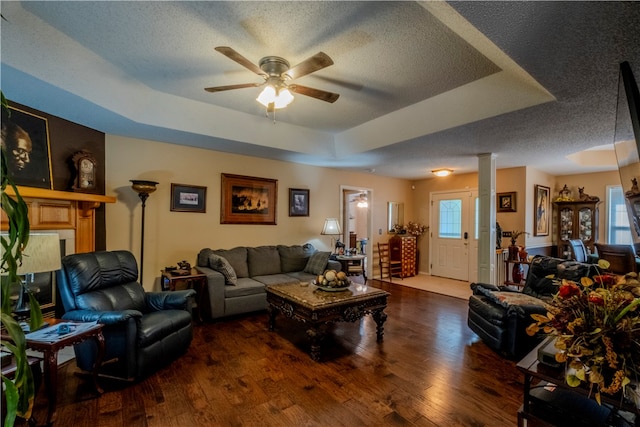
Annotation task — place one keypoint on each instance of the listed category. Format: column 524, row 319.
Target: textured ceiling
column 422, row 85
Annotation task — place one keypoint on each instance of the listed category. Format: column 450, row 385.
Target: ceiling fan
column 277, row 74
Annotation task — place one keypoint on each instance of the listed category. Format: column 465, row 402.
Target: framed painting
column 298, row 202
column 26, row 139
column 506, row 202
column 542, row 205
column 188, row 198
column 248, row 200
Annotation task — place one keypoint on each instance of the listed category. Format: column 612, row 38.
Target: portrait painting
column 542, row 206
column 25, row 138
column 298, row 202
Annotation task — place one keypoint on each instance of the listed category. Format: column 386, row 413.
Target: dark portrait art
column 25, row 138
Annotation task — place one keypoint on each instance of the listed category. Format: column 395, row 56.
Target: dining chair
column 386, row 263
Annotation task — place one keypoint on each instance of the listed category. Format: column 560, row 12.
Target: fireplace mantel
column 62, row 210
column 41, row 193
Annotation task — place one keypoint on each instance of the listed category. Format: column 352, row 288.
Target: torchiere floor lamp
column 143, row 188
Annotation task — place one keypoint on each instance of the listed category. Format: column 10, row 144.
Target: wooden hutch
column 576, row 220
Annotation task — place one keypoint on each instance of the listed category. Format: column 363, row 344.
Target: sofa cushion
column 237, row 257
column 301, row 276
column 263, row 260
column 245, row 286
column 221, row 265
column 275, row 279
column 294, row 258
column 317, row 262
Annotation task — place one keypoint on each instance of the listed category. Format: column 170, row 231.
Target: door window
column 450, row 226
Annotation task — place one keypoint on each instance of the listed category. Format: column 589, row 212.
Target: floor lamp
column 143, row 188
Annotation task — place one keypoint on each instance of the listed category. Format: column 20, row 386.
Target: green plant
column 515, row 234
column 20, row 391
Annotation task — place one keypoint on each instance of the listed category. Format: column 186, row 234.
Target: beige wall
column 174, row 236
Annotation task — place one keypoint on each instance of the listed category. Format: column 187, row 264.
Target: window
column 450, row 219
column 618, row 231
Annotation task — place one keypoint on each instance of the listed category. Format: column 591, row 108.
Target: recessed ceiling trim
column 510, row 90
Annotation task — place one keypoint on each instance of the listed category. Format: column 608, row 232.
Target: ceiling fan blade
column 322, row 95
column 231, row 87
column 317, row 62
column 235, row 56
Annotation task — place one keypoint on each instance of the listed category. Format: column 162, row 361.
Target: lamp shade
column 331, row 227
column 41, row 254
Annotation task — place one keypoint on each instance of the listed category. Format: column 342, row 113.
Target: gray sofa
column 236, row 278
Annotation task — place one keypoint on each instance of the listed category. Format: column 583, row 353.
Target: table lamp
column 42, row 254
column 332, row 228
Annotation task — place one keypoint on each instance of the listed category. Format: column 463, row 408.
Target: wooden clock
column 85, row 169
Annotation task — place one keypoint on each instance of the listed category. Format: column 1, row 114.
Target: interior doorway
column 355, row 219
column 454, row 235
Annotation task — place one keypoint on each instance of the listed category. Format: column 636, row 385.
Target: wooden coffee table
column 317, row 308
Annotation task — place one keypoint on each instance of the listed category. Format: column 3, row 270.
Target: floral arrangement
column 515, row 234
column 413, row 228
column 597, row 327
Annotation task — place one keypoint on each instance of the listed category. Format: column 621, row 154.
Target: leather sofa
column 499, row 315
column 143, row 330
column 236, row 278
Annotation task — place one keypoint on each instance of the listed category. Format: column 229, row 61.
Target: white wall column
column 487, row 218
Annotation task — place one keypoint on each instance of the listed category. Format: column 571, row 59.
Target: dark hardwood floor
column 431, row 370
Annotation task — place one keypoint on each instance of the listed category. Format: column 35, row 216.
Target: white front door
column 454, row 235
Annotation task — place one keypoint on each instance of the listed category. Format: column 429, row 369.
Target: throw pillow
column 237, row 257
column 317, row 263
column 222, row 266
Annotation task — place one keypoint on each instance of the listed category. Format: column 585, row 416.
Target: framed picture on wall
column 506, row 202
column 542, row 206
column 298, row 202
column 188, row 198
column 26, row 138
column 248, row 200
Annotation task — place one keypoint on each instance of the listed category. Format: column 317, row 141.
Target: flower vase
column 513, row 252
column 517, row 273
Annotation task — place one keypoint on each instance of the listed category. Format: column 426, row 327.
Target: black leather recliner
column 143, row 330
column 500, row 315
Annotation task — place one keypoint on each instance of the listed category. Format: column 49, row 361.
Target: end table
column 172, row 280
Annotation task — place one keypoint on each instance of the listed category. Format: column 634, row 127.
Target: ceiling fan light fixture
column 362, row 201
column 280, row 98
column 442, row 172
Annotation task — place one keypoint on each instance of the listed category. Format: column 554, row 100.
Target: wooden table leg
column 51, row 383
column 380, row 317
column 316, row 335
column 96, row 367
column 272, row 317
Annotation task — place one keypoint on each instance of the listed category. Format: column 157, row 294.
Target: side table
column 186, row 279
column 50, row 346
column 353, row 264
